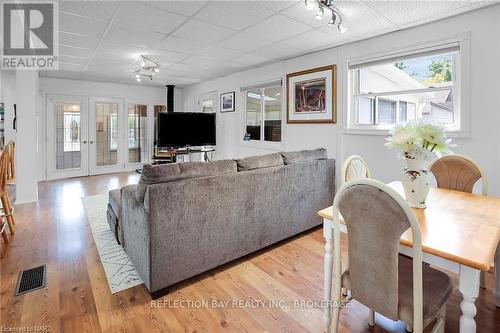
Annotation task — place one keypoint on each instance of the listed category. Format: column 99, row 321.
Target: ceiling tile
column 73, row 60
column 404, row 12
column 165, row 57
column 75, row 40
column 139, row 16
column 276, row 5
column 277, row 51
column 314, row 39
column 359, row 20
column 249, row 59
column 278, row 27
column 100, row 11
column 233, row 14
column 219, row 53
column 186, row 8
column 71, row 67
column 75, row 51
column 202, row 31
column 62, row 74
column 133, row 36
column 80, row 25
column 300, row 13
column 181, row 45
column 118, row 50
column 245, row 42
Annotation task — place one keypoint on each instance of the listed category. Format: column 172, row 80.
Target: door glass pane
column 272, row 118
column 386, row 111
column 253, row 111
column 157, row 109
column 68, row 155
column 137, row 130
column 106, row 115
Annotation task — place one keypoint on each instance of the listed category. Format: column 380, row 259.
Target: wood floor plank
column 54, row 231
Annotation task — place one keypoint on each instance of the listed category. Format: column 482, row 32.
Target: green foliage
column 440, row 71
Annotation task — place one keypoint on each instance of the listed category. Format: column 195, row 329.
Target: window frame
column 263, row 113
column 461, row 98
column 78, row 142
column 262, row 140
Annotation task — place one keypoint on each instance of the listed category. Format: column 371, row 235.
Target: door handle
column 85, row 141
column 91, row 142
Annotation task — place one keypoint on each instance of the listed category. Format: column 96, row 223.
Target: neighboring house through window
column 417, row 85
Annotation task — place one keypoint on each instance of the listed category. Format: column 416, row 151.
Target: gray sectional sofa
column 186, row 218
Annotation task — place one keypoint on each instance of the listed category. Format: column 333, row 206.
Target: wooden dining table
column 460, row 233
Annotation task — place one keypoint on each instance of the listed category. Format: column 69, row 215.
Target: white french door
column 107, row 148
column 67, row 140
column 97, row 135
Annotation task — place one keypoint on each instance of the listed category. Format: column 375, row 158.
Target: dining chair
column 398, row 287
column 11, row 171
column 355, row 167
column 459, row 173
column 7, row 211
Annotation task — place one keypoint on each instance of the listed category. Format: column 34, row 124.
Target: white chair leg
column 371, row 318
column 409, row 328
column 344, row 292
column 482, row 282
column 335, row 319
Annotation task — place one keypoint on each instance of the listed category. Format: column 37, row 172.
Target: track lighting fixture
column 310, row 4
column 332, row 20
column 147, row 68
column 323, row 5
column 320, row 13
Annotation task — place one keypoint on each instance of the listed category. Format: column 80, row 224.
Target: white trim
column 461, row 85
column 264, row 84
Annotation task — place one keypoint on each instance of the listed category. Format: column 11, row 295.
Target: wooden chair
column 395, row 286
column 355, row 167
column 4, row 193
column 460, row 173
column 11, row 169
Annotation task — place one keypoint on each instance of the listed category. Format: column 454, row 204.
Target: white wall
column 8, row 97
column 483, row 144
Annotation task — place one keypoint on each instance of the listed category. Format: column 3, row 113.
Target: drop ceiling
column 200, row 40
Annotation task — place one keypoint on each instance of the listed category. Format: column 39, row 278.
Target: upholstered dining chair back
column 458, row 173
column 375, row 222
column 355, row 167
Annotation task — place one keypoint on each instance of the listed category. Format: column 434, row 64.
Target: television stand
column 185, row 154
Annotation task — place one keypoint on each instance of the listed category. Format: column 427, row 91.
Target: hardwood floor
column 54, row 231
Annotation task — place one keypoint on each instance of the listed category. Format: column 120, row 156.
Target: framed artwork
column 227, row 102
column 312, row 96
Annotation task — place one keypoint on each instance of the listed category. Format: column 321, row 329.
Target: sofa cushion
column 303, row 156
column 154, row 174
column 258, row 162
column 115, row 201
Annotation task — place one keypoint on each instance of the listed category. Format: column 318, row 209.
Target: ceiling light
column 138, row 78
column 156, row 70
column 333, row 19
column 320, row 13
column 310, row 4
column 342, row 29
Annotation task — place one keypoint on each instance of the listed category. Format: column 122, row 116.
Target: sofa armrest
column 136, row 232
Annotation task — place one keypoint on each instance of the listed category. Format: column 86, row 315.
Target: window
column 113, row 131
column 263, row 113
column 208, row 101
column 420, row 85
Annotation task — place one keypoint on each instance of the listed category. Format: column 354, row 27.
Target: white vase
column 416, row 179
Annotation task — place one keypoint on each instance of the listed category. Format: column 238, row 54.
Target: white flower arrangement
column 416, row 139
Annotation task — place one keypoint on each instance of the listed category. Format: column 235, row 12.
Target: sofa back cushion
column 258, row 162
column 303, row 156
column 154, row 174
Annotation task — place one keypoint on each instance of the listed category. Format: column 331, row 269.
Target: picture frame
column 312, row 96
column 227, row 102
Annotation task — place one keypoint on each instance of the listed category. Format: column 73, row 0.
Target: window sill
column 277, row 146
column 386, row 132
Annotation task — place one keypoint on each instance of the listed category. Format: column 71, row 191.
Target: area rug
column 120, row 271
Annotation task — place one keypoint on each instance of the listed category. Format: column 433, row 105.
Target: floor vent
column 31, row 279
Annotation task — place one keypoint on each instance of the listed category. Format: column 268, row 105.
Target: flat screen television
column 181, row 129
